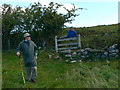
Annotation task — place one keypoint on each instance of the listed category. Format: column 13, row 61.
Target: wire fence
column 8, row 45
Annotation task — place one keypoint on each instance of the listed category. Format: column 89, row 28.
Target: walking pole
column 22, row 71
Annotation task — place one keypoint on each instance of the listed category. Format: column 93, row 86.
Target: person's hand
column 36, row 57
column 18, row 53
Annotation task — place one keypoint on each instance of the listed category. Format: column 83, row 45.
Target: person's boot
column 33, row 80
column 27, row 80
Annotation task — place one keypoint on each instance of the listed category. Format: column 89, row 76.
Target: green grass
column 94, row 36
column 55, row 73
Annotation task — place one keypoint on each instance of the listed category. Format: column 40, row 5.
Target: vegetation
column 56, row 73
column 42, row 21
column 99, row 36
column 39, row 20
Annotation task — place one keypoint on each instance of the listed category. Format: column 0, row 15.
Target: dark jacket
column 29, row 50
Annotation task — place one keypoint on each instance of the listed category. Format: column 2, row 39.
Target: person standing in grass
column 29, row 52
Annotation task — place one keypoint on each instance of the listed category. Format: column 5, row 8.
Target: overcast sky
column 99, row 12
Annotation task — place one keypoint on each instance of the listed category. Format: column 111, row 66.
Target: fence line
column 9, row 45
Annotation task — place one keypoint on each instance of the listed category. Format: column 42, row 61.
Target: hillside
column 57, row 73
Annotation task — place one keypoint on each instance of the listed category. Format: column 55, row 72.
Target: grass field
column 56, row 73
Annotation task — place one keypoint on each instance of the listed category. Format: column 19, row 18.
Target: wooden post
column 79, row 41
column 56, row 45
column 9, row 45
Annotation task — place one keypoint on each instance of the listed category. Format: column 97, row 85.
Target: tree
column 10, row 19
column 43, row 22
column 49, row 21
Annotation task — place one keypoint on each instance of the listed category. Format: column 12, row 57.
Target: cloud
column 6, row 1
column 67, row 6
column 59, row 1
column 72, row 1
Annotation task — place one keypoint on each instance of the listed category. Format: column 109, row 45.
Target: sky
column 99, row 12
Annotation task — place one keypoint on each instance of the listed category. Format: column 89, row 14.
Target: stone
column 106, row 53
column 88, row 49
column 68, row 55
column 74, row 53
column 73, row 61
column 66, row 60
column 117, row 51
column 82, row 56
column 50, row 56
column 113, row 54
column 82, row 50
column 112, row 51
column 85, row 52
column 57, row 57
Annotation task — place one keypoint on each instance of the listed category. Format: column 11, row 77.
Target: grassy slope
column 95, row 36
column 55, row 73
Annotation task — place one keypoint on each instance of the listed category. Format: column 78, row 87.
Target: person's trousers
column 31, row 73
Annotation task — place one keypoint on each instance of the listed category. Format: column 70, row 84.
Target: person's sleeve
column 18, row 48
column 75, row 33
column 68, row 34
column 36, row 49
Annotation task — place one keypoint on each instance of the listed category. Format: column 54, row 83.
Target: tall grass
column 98, row 36
column 55, row 73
